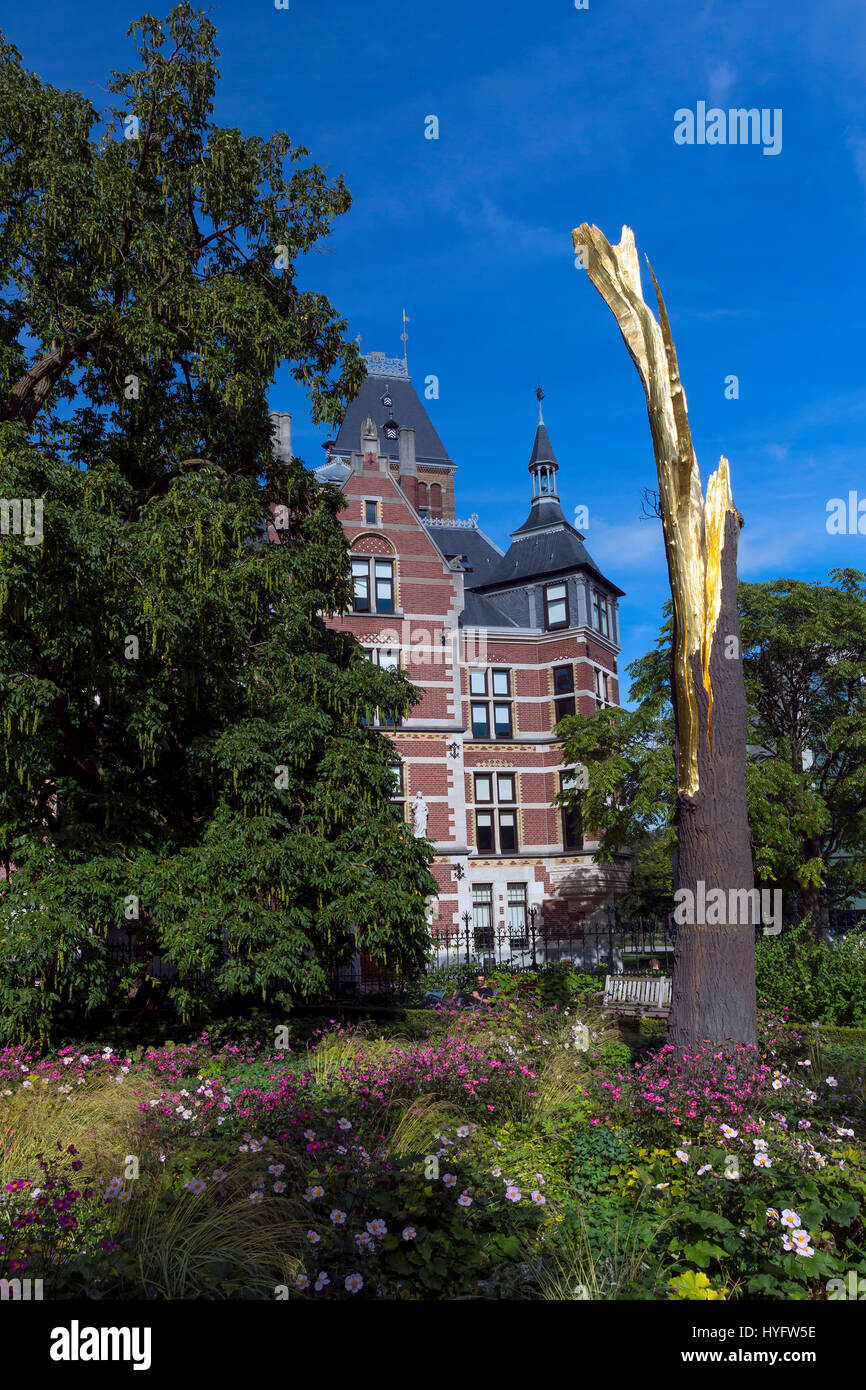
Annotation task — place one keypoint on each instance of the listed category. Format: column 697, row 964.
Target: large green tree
column 185, row 741
column 804, row 661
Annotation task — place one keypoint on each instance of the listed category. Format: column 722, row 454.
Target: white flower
column 705, row 1168
column 345, row 1124
column 539, row 1199
column 302, row 1282
column 354, row 1282
column 408, row 1233
column 682, row 1156
column 831, row 1081
column 449, row 1180
column 728, row 1132
column 338, row 1217
column 762, row 1160
column 790, row 1218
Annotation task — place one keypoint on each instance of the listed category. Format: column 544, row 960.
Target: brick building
column 502, row 646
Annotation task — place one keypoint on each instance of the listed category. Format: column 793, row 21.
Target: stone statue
column 419, row 813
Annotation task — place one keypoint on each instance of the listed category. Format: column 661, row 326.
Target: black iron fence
column 602, row 946
column 596, row 948
column 617, row 946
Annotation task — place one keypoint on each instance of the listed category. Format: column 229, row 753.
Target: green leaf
column 702, row 1252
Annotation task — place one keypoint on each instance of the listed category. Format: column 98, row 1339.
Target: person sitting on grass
column 482, row 991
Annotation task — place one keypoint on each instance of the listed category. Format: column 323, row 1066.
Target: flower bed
column 520, row 1152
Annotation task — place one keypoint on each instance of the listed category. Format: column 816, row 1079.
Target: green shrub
column 598, row 1151
column 454, row 976
column 816, row 981
column 615, row 1055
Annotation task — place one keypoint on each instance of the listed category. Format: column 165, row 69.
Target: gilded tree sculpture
column 714, row 959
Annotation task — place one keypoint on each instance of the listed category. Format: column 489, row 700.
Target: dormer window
column 391, row 429
column 387, row 401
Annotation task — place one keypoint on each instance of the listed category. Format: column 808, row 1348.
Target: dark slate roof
column 407, row 409
column 542, row 449
column 537, row 556
column 545, row 511
column 482, row 612
column 481, row 554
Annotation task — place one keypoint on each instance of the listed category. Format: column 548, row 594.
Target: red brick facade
column 501, row 845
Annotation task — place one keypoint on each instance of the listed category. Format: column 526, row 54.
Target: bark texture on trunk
column 713, row 995
column 713, row 991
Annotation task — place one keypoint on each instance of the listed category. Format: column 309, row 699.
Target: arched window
column 436, row 499
column 423, row 502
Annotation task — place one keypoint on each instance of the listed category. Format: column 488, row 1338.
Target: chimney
column 281, row 428
column 407, row 468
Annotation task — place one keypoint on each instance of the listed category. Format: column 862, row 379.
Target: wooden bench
column 641, row 996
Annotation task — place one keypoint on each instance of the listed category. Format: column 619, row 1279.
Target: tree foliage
column 188, row 747
column 804, row 656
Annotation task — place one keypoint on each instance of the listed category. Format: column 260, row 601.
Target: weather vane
column 405, row 339
column 539, row 396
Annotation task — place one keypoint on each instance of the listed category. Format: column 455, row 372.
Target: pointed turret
column 543, row 468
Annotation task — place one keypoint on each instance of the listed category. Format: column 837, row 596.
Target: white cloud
column 629, row 546
column 767, row 548
column 512, row 236
column 855, row 139
column 719, row 83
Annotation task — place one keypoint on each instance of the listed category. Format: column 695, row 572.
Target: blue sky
column 549, row 116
